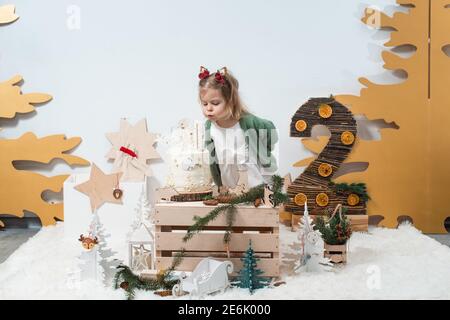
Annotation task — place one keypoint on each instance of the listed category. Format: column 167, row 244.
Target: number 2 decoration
column 314, row 185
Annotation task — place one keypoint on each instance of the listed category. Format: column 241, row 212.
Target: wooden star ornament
column 100, row 187
column 131, row 148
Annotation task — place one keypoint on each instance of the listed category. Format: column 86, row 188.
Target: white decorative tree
column 107, row 263
column 99, row 256
column 90, row 258
column 143, row 217
column 311, row 247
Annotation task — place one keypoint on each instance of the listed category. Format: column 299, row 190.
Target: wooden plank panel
column 216, row 254
column 270, row 267
column 200, row 204
column 214, row 242
column 234, row 229
column 359, row 222
column 245, row 216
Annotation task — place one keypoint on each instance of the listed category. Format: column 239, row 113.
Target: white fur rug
column 382, row 264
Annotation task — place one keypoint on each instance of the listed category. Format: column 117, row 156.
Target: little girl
column 236, row 139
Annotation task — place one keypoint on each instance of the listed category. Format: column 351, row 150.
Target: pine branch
column 177, row 260
column 231, row 214
column 127, row 280
column 250, row 196
column 278, row 196
column 202, row 222
column 335, row 231
column 358, row 188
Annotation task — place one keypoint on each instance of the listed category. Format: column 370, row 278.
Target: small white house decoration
column 141, row 239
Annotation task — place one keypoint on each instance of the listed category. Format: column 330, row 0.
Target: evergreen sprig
column 250, row 196
column 127, row 280
column 231, row 214
column 202, row 222
column 334, row 230
column 279, row 197
column 359, row 188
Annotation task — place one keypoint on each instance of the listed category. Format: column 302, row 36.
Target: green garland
column 359, row 188
column 250, row 196
column 128, row 281
column 231, row 213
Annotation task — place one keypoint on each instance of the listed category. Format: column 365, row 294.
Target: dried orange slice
column 325, row 111
column 301, row 125
column 353, row 199
column 325, row 170
column 347, row 138
column 300, row 199
column 322, row 199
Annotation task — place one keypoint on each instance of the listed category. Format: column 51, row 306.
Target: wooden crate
column 260, row 225
column 336, row 253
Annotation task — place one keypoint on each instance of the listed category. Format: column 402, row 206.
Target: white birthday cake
column 187, row 159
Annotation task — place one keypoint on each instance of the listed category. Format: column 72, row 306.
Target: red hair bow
column 204, row 73
column 219, row 78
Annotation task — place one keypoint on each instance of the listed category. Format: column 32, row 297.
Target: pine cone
column 124, row 285
column 279, row 283
column 163, row 293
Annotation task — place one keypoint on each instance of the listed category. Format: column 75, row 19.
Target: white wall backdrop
column 103, row 60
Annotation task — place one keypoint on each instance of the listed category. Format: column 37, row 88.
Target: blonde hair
column 229, row 90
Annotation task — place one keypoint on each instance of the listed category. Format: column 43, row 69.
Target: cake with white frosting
column 188, row 160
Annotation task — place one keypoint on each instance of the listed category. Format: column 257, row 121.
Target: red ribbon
column 204, row 73
column 219, row 78
column 128, row 151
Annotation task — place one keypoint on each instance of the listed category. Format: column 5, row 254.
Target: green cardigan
column 266, row 138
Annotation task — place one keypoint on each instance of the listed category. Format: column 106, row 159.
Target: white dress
column 232, row 155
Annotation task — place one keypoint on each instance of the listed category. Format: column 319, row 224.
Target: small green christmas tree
column 249, row 275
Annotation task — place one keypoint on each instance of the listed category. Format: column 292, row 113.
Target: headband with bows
column 219, row 76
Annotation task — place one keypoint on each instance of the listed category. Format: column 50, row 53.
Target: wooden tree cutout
column 7, row 14
column 408, row 170
column 21, row 190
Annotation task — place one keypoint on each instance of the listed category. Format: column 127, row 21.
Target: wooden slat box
column 260, row 225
